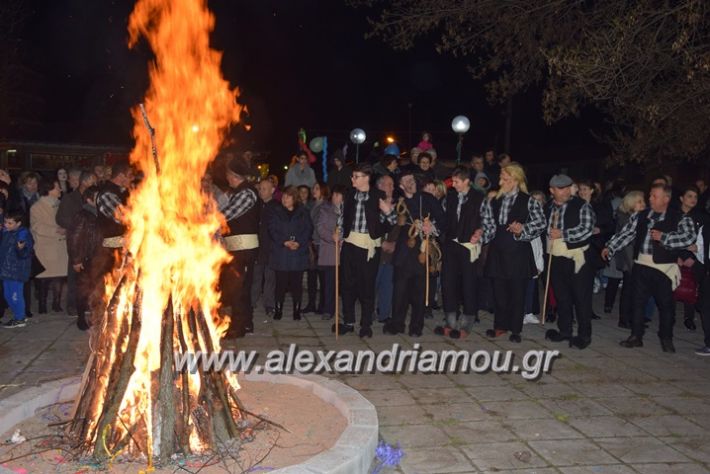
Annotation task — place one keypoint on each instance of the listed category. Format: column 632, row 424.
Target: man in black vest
column 242, row 241
column 409, row 273
column 366, row 218
column 461, row 249
column 658, row 235
column 570, row 226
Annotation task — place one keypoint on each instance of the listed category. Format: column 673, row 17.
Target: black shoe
column 390, row 329
column 631, row 342
column 515, row 338
column 435, row 306
column 365, row 331
column 310, row 308
column 278, row 311
column 596, row 316
column 428, row 314
column 607, row 309
column 624, row 324
column 81, row 323
column 551, row 318
column 15, row 323
column 667, row 346
column 555, row 336
column 442, row 330
column 579, row 342
column 415, row 333
column 690, row 324
column 28, row 314
column 56, row 307
column 343, row 328
column 235, row 332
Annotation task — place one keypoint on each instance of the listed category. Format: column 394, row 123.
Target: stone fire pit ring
column 352, row 453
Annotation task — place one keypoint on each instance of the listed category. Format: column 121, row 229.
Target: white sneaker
column 531, row 319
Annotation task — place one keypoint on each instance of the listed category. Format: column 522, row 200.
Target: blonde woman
column 511, row 220
column 620, row 266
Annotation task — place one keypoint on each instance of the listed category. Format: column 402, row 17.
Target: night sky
column 299, row 63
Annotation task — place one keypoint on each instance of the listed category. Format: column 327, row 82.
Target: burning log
column 163, row 296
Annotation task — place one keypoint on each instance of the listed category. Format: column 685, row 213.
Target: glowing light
column 460, row 124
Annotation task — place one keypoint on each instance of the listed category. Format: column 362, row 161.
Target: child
column 15, row 265
column 425, row 144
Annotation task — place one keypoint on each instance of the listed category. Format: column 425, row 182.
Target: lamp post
column 357, row 136
column 460, row 125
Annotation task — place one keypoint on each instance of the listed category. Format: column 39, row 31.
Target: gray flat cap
column 560, row 181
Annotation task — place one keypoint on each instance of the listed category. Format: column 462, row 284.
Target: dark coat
column 83, row 237
column 16, row 264
column 284, row 226
column 69, row 207
column 623, row 258
column 340, row 176
column 266, row 213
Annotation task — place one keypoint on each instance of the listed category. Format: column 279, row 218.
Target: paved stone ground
column 604, row 409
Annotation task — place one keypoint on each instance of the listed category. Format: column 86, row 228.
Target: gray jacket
column 327, row 220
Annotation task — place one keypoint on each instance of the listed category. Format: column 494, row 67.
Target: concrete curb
column 352, row 453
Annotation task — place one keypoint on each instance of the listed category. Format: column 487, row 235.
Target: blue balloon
column 392, row 149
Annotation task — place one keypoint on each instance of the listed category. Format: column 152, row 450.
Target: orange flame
column 171, row 221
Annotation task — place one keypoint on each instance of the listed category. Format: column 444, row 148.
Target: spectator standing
column 50, row 245
column 15, row 266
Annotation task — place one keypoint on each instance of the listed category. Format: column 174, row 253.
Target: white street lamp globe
column 357, row 136
column 460, row 124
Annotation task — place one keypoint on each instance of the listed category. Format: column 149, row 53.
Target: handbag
column 36, row 267
column 687, row 291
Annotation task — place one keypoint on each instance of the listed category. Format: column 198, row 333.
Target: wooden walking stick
column 337, row 281
column 426, row 263
column 549, row 270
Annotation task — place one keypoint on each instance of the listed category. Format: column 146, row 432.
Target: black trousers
column 705, row 308
column 649, row 282
column 357, row 282
column 458, row 280
column 509, row 295
column 316, row 282
column 409, row 289
column 573, row 292
column 625, row 309
column 236, row 287
column 291, row 282
column 328, row 289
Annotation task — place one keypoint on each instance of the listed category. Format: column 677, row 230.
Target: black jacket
column 375, row 228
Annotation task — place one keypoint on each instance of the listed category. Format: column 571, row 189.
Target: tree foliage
column 645, row 63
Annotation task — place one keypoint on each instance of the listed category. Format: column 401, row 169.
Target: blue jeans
column 14, row 295
column 384, row 286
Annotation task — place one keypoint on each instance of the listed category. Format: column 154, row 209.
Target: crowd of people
column 402, row 236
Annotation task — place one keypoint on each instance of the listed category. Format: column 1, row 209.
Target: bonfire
column 162, row 297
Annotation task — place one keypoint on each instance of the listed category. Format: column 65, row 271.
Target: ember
column 163, row 295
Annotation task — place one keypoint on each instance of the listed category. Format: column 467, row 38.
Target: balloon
column 316, row 144
column 392, row 149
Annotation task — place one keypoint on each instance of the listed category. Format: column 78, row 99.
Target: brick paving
column 606, row 409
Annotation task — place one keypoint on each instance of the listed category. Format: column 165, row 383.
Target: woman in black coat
column 290, row 230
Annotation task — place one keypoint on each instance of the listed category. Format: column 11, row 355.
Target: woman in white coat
column 50, row 245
